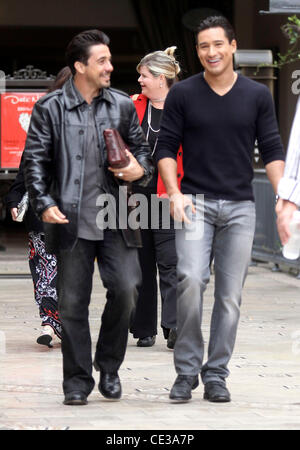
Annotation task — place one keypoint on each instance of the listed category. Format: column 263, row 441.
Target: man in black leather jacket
column 66, row 174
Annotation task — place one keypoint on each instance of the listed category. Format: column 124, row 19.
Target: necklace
column 159, row 100
column 150, row 127
column 149, row 118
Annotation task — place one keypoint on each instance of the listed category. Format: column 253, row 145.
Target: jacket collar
column 140, row 102
column 73, row 98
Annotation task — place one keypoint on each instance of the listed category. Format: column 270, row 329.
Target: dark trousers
column 158, row 252
column 120, row 274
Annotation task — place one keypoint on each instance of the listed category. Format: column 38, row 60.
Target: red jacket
column 140, row 103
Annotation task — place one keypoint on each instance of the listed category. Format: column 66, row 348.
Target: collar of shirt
column 73, row 98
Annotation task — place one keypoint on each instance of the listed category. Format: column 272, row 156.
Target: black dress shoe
column 146, row 341
column 166, row 332
column 75, row 398
column 96, row 367
column 110, row 386
column 182, row 388
column 215, row 391
column 172, row 338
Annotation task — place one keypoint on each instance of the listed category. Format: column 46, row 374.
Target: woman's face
column 150, row 85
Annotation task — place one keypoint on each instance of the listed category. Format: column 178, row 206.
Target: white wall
column 100, row 13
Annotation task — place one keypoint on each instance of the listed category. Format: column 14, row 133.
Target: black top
column 152, row 140
column 218, row 135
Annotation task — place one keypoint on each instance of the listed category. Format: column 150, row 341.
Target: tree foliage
column 292, row 32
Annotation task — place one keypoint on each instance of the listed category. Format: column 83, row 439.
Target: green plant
column 292, row 31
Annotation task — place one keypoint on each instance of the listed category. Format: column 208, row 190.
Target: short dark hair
column 79, row 47
column 216, row 22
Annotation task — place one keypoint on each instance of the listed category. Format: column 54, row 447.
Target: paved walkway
column 264, row 380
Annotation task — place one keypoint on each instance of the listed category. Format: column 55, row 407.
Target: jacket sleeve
column 139, row 147
column 38, row 160
column 17, row 189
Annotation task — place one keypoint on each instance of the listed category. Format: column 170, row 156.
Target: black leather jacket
column 14, row 196
column 54, row 155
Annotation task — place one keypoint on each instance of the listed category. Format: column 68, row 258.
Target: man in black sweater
column 217, row 115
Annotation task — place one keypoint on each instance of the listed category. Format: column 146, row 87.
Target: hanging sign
column 284, row 7
column 16, row 109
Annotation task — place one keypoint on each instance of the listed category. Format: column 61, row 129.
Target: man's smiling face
column 214, row 50
column 98, row 69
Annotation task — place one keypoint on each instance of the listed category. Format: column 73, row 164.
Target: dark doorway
column 159, row 25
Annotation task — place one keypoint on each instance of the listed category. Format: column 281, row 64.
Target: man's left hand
column 134, row 171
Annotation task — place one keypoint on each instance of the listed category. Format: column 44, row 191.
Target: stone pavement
column 264, row 380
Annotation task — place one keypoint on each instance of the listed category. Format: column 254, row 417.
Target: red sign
column 16, row 108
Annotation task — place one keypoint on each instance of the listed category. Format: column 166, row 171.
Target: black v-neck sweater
column 218, row 135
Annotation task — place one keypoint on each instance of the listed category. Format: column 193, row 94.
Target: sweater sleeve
column 268, row 137
column 171, row 126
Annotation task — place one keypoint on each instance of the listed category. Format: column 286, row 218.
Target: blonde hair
column 162, row 63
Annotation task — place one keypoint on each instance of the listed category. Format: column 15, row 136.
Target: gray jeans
column 228, row 232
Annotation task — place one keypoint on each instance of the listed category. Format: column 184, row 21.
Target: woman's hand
column 14, row 214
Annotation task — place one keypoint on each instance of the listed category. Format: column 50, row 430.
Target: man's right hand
column 178, row 203
column 54, row 215
column 284, row 210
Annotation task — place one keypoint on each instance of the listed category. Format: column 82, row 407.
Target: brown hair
column 63, row 75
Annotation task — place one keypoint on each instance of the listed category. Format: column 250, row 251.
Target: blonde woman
column 158, row 72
